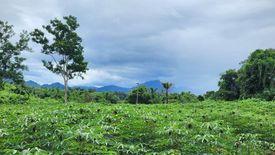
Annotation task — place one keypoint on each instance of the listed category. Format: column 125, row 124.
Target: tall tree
column 11, row 61
column 167, row 86
column 229, row 88
column 63, row 45
column 257, row 73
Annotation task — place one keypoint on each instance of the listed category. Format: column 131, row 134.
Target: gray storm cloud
column 188, row 42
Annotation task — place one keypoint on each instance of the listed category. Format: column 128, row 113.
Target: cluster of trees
column 152, row 96
column 254, row 79
column 60, row 42
column 145, row 95
column 77, row 95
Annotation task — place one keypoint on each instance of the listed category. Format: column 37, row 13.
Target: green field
column 244, row 127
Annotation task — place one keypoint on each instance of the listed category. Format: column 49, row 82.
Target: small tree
column 167, row 86
column 65, row 49
column 11, row 61
column 144, row 95
column 229, row 87
column 200, row 98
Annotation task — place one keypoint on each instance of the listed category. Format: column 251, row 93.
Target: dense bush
column 86, row 96
column 267, row 94
column 12, row 94
column 212, row 95
column 184, row 97
column 78, row 95
column 145, row 95
column 111, row 97
column 44, row 93
column 200, row 98
column 142, row 93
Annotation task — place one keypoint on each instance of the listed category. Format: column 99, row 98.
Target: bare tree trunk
column 65, row 91
column 65, row 77
column 137, row 98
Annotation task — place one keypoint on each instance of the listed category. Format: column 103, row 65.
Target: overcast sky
column 187, row 42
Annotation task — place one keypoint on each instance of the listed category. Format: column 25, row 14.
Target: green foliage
column 211, row 95
column 19, row 94
column 188, row 97
column 257, row 73
column 111, row 98
column 229, row 88
column 11, row 61
column 99, row 97
column 155, row 96
column 209, row 127
column 142, row 93
column 44, row 93
column 255, row 79
column 66, row 44
column 78, row 95
column 12, row 94
column 184, row 97
column 65, row 49
column 200, row 98
column 167, row 86
column 145, row 95
column 267, row 94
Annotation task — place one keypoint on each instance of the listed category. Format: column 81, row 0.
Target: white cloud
column 99, row 78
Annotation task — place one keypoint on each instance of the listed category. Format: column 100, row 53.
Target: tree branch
column 54, row 59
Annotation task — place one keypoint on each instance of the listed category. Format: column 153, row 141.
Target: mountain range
column 155, row 84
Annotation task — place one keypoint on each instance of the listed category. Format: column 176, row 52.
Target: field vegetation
column 46, row 126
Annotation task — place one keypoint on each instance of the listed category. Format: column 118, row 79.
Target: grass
column 243, row 127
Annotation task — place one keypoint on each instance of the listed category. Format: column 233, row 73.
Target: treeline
column 254, row 79
column 21, row 94
column 143, row 94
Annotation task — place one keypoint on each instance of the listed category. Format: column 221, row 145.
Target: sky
column 187, row 42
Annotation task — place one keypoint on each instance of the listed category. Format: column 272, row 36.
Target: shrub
column 200, row 98
column 143, row 95
column 111, row 98
column 188, row 97
column 12, row 94
column 211, row 95
column 267, row 94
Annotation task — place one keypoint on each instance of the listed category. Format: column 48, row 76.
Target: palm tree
column 167, row 86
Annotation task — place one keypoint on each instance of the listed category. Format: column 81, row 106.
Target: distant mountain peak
column 53, row 85
column 156, row 84
column 112, row 88
column 33, row 84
